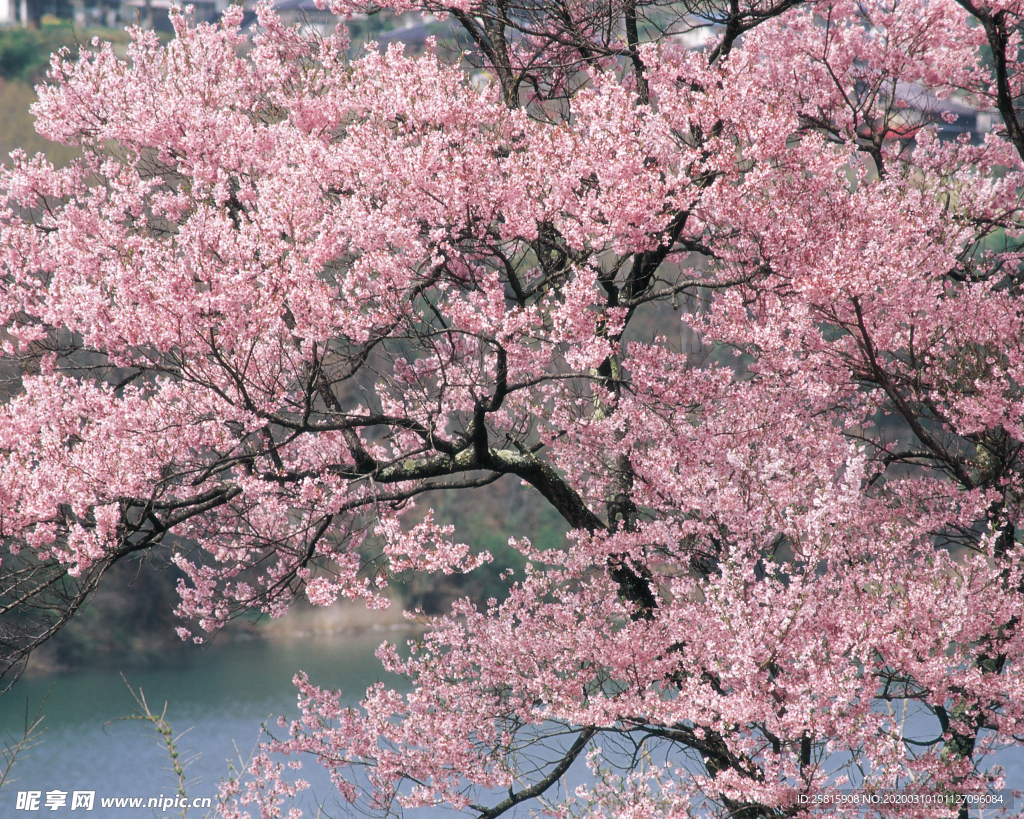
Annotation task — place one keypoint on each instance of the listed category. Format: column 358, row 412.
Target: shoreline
column 345, row 618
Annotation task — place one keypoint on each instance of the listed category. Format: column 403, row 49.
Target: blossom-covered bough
column 738, row 313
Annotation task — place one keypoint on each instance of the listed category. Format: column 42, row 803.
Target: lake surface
column 221, row 694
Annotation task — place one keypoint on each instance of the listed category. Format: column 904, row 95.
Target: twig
column 30, row 737
column 165, row 731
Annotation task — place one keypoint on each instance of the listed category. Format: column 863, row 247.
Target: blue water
column 218, row 697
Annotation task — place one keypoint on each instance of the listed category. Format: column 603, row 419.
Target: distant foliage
column 25, row 52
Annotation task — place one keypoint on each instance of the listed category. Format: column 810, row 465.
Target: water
column 221, row 695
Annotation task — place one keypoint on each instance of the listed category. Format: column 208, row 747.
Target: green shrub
column 25, row 52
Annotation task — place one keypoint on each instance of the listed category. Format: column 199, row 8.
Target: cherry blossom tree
column 744, row 314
